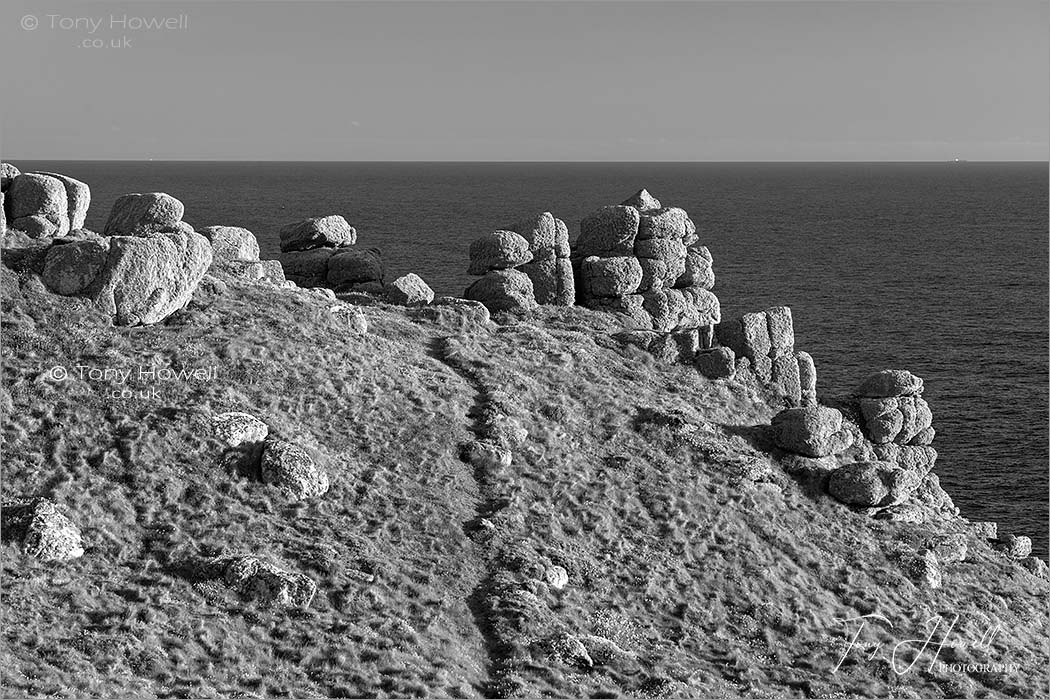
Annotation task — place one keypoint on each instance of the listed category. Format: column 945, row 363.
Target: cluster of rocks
column 522, row 266
column 42, row 530
column 641, row 261
column 235, row 257
column 764, row 343
column 893, row 410
column 255, row 579
column 320, row 252
column 273, row 461
column 42, row 204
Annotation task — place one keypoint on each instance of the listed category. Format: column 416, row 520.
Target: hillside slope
column 696, row 564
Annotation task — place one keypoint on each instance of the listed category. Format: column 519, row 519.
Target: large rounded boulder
column 318, row 232
column 498, row 250
column 870, row 484
column 890, row 383
column 504, row 290
column 811, row 431
column 138, row 214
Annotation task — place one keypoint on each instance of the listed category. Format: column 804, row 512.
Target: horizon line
column 8, row 159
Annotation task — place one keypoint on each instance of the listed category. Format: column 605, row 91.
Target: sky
column 541, row 80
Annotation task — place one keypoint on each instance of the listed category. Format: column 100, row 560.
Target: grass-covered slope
column 696, row 565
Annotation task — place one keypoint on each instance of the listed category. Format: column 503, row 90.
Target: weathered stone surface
column 236, row 428
column 786, row 380
column 318, row 232
column 984, row 528
column 890, row 383
column 307, row 268
column 666, row 249
column 610, row 277
column 688, row 342
column 924, row 437
column 924, row 570
column 781, row 331
column 1035, row 566
column 409, row 290
column 656, row 274
column 541, row 233
column 269, row 272
column 716, row 363
column 748, row 335
column 639, row 338
column 145, row 280
column 1013, row 546
column 689, row 307
column 609, row 232
column 918, row 459
column 812, row 431
column 882, row 419
column 289, row 466
column 231, row 243
column 78, row 199
column 642, row 201
column 807, row 378
column 669, row 222
column 565, row 283
column 268, row 585
column 140, row 214
column 504, row 290
column 33, row 199
column 699, row 270
column 353, row 266
column 934, row 500
column 557, row 577
column 71, row 268
column 8, row 173
column 459, row 315
column 917, row 419
column 860, row 484
column 498, row 250
column 487, row 455
column 665, row 349
column 902, row 513
column 44, row 532
column 628, row 308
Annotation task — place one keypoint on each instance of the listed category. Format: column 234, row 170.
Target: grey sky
column 530, row 81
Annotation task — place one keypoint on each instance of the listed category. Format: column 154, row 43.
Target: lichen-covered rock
column 668, row 223
column 231, row 243
column 811, row 431
column 883, row 419
column 409, row 290
column 716, row 363
column 541, row 233
column 354, row 266
column 924, row 570
column 915, row 458
column 289, row 466
column 552, row 280
column 628, row 308
column 610, row 277
column 561, row 240
column 699, row 270
column 72, row 267
column 38, row 205
column 934, row 500
column 1013, row 546
column 236, row 428
column 890, row 383
column 146, row 279
column 860, row 484
column 608, row 232
column 78, row 199
column 498, row 250
column 317, row 232
column 781, row 331
column 785, row 379
column 504, row 290
column 642, row 201
column 266, row 584
column 44, row 532
column 139, row 214
column 949, row 548
column 747, row 335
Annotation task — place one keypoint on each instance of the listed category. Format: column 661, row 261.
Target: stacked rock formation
column 41, row 204
column 764, row 343
column 235, row 255
column 893, row 409
column 496, row 257
column 641, row 261
column 550, row 269
column 146, row 266
column 319, row 252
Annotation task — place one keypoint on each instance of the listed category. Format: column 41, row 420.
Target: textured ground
column 696, row 566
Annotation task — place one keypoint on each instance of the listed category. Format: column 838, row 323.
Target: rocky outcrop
column 641, row 262
column 231, row 243
column 892, row 409
column 869, row 484
column 409, row 290
column 764, row 344
column 45, row 205
column 811, row 431
column 504, row 290
column 144, row 214
column 1013, row 546
column 256, row 580
column 320, row 252
column 550, row 268
column 43, row 531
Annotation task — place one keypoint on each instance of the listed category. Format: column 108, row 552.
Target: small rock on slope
column 45, row 532
column 289, row 466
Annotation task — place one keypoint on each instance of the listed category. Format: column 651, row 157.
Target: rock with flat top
column 317, row 232
column 608, row 232
column 667, row 223
column 610, row 277
column 139, row 214
column 498, row 250
column 354, row 266
column 747, row 335
column 890, row 383
column 231, row 243
column 409, row 290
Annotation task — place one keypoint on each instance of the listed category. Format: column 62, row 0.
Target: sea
column 939, row 268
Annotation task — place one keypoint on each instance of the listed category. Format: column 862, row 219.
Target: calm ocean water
column 937, row 268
